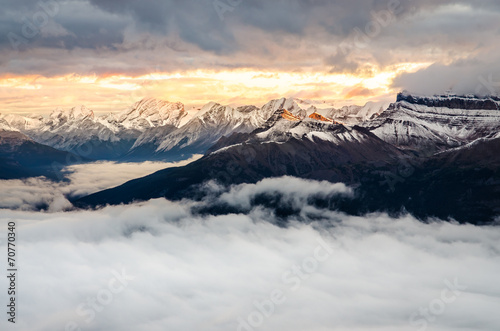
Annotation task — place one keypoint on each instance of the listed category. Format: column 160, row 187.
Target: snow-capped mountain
column 206, row 127
column 22, row 157
column 157, row 129
column 437, row 123
column 150, row 113
column 283, row 145
column 74, row 130
column 348, row 115
column 75, row 113
column 214, row 121
column 461, row 183
column 79, row 131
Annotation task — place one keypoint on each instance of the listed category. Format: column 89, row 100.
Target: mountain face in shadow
column 21, row 157
column 423, row 156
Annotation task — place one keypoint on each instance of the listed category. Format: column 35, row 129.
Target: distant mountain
column 352, row 115
column 149, row 113
column 215, row 121
column 307, row 149
column 153, row 129
column 212, row 122
column 196, row 136
column 108, row 137
column 21, row 157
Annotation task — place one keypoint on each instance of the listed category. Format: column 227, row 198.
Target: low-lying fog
column 159, row 265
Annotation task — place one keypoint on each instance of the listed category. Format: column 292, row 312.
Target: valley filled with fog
column 160, row 264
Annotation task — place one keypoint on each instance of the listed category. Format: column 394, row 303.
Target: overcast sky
column 106, row 54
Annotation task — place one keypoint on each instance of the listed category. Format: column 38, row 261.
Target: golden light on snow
column 194, row 88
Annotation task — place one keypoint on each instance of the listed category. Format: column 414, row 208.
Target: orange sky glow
column 41, row 95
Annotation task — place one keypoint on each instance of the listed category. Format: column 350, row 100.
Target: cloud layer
column 102, row 53
column 163, row 265
column 129, row 37
column 41, row 193
column 186, row 272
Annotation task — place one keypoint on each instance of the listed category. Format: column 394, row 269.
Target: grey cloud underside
column 254, row 32
column 477, row 76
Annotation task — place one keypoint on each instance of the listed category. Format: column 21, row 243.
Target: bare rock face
column 452, row 102
column 433, row 124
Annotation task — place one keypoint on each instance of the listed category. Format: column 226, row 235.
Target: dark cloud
column 134, row 36
column 478, row 76
column 60, row 25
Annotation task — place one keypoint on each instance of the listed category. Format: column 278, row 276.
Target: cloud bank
column 42, row 193
column 170, row 269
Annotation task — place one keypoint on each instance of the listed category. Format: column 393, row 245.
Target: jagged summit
column 158, row 129
column 290, row 104
column 150, row 112
column 75, row 113
column 289, row 116
column 154, row 128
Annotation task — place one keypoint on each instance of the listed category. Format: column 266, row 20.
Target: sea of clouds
column 82, row 179
column 162, row 265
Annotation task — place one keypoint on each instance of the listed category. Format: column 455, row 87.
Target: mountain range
column 154, row 129
column 432, row 156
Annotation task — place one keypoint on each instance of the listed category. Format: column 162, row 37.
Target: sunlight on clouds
column 195, row 88
column 384, row 79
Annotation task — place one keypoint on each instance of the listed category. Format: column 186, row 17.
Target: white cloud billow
column 82, row 179
column 205, row 272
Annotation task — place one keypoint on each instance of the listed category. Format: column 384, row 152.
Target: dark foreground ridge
column 462, row 184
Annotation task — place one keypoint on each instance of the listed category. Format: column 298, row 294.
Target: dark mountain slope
column 251, row 161
column 21, row 157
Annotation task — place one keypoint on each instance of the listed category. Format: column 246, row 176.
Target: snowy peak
column 150, row 107
column 435, row 123
column 5, row 126
column 18, row 122
column 290, row 105
column 151, row 112
column 75, row 113
column 216, row 113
